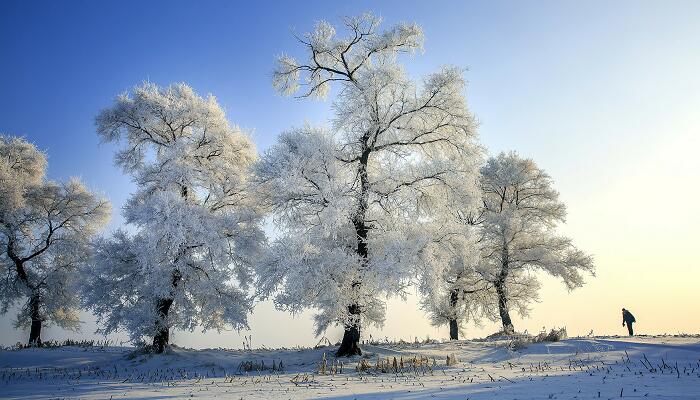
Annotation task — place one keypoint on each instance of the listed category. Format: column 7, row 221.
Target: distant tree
column 45, row 233
column 517, row 224
column 186, row 262
column 356, row 203
column 452, row 292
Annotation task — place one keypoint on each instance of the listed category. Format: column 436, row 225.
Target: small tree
column 356, row 204
column 461, row 295
column 452, row 292
column 196, row 231
column 45, row 233
column 517, row 226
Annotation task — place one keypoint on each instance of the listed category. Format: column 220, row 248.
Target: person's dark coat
column 627, row 317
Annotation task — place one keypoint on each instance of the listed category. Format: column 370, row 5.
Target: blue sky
column 603, row 95
column 532, row 66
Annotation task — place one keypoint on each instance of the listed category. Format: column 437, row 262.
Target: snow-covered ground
column 585, row 368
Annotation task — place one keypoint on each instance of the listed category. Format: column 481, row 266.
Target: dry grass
column 255, row 366
column 452, row 360
column 554, row 335
column 415, row 364
column 63, row 343
column 332, row 368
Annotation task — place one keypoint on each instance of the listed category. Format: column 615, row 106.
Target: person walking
column 628, row 318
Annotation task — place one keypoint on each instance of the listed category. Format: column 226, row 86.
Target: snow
column 581, row 368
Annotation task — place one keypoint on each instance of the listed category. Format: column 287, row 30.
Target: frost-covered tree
column 517, row 229
column 186, row 262
column 356, row 203
column 452, row 291
column 45, row 233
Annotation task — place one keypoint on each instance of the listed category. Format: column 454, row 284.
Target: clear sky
column 605, row 96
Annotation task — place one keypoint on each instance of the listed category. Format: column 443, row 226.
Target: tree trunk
column 350, row 346
column 162, row 337
column 35, row 331
column 508, row 328
column 454, row 330
column 34, row 301
column 454, row 327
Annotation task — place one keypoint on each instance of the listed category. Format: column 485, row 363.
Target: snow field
column 649, row 368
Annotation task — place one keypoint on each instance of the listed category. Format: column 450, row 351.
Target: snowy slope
column 648, row 367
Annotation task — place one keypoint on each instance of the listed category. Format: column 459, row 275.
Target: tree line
column 395, row 192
